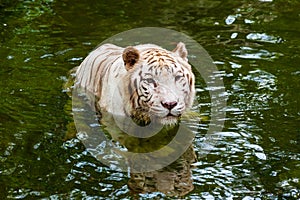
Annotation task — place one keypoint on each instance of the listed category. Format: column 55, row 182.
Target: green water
column 255, row 45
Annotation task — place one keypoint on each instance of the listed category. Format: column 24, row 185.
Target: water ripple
column 252, row 53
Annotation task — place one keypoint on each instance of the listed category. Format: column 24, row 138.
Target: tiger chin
column 145, row 82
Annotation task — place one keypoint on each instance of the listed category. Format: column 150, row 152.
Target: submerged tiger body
column 145, row 82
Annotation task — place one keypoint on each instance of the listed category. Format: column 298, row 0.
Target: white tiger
column 145, row 82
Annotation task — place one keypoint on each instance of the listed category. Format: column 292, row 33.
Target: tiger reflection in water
column 174, row 180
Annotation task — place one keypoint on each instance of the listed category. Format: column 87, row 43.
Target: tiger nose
column 169, row 104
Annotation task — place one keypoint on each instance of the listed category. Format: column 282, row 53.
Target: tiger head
column 160, row 83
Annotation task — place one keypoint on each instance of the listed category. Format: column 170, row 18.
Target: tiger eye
column 178, row 77
column 151, row 81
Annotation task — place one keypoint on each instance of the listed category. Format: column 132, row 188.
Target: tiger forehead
column 158, row 55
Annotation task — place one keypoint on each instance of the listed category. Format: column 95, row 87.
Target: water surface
column 255, row 45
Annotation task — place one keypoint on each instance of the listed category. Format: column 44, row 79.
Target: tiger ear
column 130, row 57
column 181, row 51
